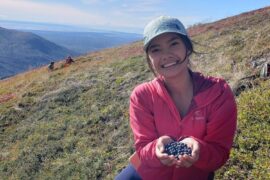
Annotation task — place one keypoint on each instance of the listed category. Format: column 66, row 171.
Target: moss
column 250, row 154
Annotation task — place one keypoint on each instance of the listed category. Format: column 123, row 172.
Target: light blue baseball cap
column 161, row 25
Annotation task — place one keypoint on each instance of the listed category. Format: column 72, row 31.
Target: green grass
column 79, row 129
column 250, row 154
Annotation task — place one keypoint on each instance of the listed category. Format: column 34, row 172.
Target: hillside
column 235, row 47
column 73, row 122
column 21, row 51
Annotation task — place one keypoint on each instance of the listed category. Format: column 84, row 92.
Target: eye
column 154, row 50
column 174, row 43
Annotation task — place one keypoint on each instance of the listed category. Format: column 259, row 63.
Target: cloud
column 53, row 13
column 134, row 14
column 57, row 13
column 3, row 16
column 106, row 14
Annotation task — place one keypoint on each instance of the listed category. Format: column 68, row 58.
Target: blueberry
column 177, row 148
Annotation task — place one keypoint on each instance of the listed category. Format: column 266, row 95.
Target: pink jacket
column 211, row 120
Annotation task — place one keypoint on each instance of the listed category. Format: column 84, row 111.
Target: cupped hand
column 186, row 160
column 164, row 158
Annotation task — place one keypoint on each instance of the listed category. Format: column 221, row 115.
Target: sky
column 118, row 15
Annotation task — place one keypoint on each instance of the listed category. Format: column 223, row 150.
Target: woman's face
column 167, row 54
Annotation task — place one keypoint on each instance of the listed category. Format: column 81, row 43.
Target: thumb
column 161, row 149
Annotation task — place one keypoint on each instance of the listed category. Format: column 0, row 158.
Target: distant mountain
column 29, row 25
column 20, row 51
column 84, row 42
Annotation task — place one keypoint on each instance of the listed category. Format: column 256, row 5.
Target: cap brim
column 158, row 34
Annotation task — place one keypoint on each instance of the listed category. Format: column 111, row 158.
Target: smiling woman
column 167, row 53
column 178, row 107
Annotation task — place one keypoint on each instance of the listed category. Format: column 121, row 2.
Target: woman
column 178, row 105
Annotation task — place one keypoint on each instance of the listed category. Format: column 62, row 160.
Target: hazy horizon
column 115, row 15
column 34, row 26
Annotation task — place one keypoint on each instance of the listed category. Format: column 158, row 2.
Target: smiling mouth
column 170, row 64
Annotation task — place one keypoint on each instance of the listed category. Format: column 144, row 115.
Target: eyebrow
column 174, row 38
column 170, row 40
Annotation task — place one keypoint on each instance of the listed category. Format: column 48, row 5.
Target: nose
column 166, row 54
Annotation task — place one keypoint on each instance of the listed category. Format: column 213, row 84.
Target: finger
column 187, row 164
column 161, row 148
column 195, row 149
column 167, row 157
column 164, row 156
column 189, row 159
column 172, row 160
column 195, row 155
column 179, row 161
column 168, row 161
column 184, row 162
column 161, row 155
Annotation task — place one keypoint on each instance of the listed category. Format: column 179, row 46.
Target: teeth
column 169, row 64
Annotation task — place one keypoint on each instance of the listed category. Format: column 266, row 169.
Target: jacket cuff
column 150, row 158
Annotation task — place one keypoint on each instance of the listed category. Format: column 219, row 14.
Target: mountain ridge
column 20, row 51
column 85, row 42
column 226, row 22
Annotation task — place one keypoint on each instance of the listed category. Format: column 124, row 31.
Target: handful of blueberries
column 177, row 148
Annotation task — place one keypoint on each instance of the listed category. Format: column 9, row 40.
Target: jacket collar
column 206, row 89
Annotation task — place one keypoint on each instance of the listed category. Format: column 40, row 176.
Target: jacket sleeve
column 215, row 146
column 143, row 126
